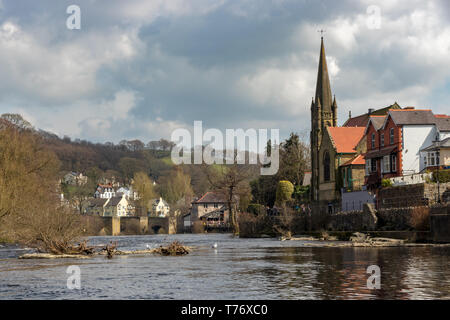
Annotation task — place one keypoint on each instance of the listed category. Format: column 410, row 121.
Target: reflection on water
column 237, row 269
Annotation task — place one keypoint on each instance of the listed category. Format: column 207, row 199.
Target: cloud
column 140, row 69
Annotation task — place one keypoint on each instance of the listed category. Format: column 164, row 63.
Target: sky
column 141, row 69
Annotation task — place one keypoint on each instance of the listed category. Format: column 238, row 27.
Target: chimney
column 371, row 111
column 408, row 108
column 349, row 114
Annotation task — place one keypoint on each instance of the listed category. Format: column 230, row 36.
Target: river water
column 237, row 269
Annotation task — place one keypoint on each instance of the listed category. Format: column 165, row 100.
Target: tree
column 30, row 208
column 17, row 120
column 294, row 160
column 175, row 186
column 232, row 182
column 285, row 190
column 144, row 188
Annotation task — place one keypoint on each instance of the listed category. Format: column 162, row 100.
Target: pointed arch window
column 326, row 166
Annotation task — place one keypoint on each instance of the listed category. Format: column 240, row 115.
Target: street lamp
column 437, row 174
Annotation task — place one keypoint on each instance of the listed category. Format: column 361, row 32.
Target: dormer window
column 382, row 140
column 373, row 140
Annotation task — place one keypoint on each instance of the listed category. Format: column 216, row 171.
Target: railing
column 411, row 179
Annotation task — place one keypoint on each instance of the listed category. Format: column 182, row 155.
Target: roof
column 323, row 89
column 412, row 116
column 358, row 160
column 211, row 197
column 114, row 201
column 362, row 120
column 377, row 121
column 214, row 214
column 442, row 122
column 97, row 202
column 438, row 145
column 382, row 152
column 345, row 139
column 157, row 201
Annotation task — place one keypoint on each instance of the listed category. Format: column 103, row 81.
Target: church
column 337, row 153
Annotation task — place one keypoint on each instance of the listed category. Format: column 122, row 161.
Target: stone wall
column 412, row 195
column 440, row 223
column 363, row 220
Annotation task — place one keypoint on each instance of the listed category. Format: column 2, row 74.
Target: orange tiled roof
column 345, row 139
column 358, row 160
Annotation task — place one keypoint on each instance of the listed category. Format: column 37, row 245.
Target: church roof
column 345, row 139
column 323, row 89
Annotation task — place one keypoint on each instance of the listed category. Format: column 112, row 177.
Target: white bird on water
column 215, row 245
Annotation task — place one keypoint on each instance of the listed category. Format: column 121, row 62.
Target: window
column 391, row 136
column 367, row 167
column 382, row 140
column 216, row 205
column 326, row 167
column 373, row 140
column 205, row 205
column 431, row 158
column 393, row 162
column 373, row 165
column 386, row 164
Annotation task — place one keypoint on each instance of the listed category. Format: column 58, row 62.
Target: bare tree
column 232, row 182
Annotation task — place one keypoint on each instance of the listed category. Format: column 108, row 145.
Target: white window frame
column 391, row 136
column 393, row 159
column 387, row 164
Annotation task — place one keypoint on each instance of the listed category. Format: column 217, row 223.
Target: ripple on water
column 238, row 269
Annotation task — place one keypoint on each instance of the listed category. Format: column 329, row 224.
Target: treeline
column 127, row 160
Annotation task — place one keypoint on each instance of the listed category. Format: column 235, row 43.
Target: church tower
column 323, row 114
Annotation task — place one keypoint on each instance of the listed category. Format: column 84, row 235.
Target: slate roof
column 345, row 139
column 97, row 202
column 114, row 201
column 412, row 116
column 438, row 144
column 377, row 121
column 362, row 120
column 442, row 122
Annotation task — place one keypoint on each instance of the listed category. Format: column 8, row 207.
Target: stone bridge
column 114, row 226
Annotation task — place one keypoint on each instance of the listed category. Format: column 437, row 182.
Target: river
column 237, row 269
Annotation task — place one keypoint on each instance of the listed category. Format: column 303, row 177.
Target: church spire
column 323, row 89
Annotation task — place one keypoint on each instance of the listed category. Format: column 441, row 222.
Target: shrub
column 386, row 183
column 444, row 176
column 256, row 209
column 253, row 226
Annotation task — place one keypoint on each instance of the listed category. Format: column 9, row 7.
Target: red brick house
column 394, row 143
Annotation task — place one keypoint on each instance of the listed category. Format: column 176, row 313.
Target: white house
column 160, row 208
column 105, row 191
